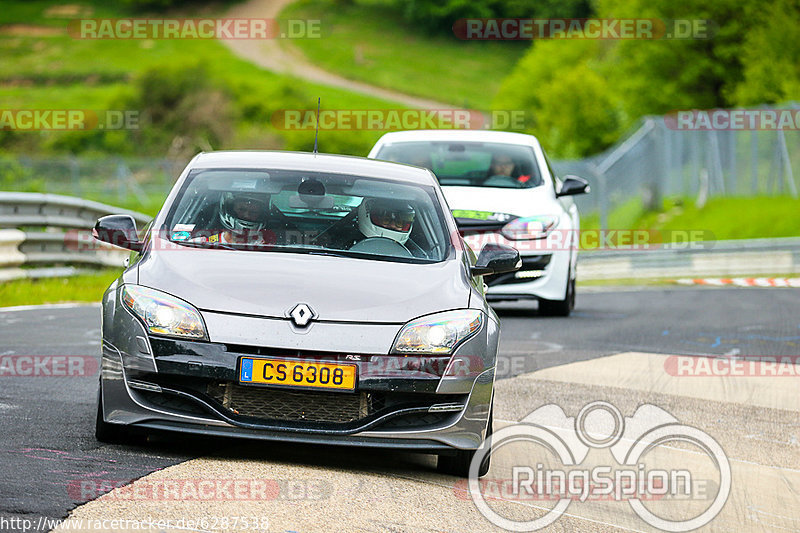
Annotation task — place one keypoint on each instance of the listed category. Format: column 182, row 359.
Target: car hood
column 519, row 202
column 270, row 284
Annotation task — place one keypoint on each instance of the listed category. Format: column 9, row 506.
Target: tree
column 749, row 54
column 566, row 95
column 440, row 15
column 771, row 57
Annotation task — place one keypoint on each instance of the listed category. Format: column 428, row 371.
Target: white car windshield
column 307, row 212
column 470, row 164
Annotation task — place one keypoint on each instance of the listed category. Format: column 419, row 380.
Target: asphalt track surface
column 47, row 444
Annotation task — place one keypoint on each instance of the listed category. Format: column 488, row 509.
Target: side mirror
column 496, row 259
column 119, row 230
column 573, row 185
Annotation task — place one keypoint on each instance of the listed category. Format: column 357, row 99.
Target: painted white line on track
column 742, row 282
column 48, row 306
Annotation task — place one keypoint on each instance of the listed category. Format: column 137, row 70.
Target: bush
column 771, row 57
column 573, row 110
column 182, row 111
column 163, row 5
column 583, row 94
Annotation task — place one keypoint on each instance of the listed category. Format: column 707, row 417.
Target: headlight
column 529, row 228
column 440, row 333
column 163, row 314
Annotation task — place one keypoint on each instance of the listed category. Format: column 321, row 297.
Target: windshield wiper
column 218, row 245
column 332, row 254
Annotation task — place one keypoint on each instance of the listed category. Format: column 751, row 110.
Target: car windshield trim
column 432, row 244
column 470, row 163
column 346, row 254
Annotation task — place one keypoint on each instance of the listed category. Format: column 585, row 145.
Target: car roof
column 306, row 161
column 503, row 137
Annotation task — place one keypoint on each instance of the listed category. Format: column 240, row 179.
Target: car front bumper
column 544, row 272
column 428, row 404
column 543, row 275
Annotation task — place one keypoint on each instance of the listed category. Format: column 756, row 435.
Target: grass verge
column 720, row 219
column 87, row 287
column 369, row 42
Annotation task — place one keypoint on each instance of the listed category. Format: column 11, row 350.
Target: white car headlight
column 526, row 228
column 163, row 314
column 438, row 334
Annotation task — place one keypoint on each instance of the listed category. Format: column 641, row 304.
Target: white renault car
column 501, row 189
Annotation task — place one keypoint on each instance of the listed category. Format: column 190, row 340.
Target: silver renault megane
column 302, row 297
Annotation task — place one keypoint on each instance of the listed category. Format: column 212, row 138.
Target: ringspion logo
column 634, row 473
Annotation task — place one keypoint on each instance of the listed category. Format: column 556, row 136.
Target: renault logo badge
column 301, row 315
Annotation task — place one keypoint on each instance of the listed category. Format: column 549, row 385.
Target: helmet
column 385, row 218
column 243, row 212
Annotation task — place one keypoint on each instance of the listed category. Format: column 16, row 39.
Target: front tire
column 458, row 464
column 103, row 431
column 560, row 307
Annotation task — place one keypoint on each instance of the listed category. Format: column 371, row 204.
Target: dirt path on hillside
column 270, row 55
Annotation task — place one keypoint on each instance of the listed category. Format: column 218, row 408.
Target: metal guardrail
column 703, row 258
column 50, row 229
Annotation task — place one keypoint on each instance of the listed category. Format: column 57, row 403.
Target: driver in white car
column 501, row 165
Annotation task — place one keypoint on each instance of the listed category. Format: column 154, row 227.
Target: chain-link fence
column 136, row 183
column 737, row 153
column 657, row 159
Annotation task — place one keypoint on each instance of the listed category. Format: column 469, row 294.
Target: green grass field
column 44, row 67
column 82, row 288
column 369, row 42
column 720, row 219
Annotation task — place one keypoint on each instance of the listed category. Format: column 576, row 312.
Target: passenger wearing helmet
column 374, row 217
column 244, row 217
column 392, row 219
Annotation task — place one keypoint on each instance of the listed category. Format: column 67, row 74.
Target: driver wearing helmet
column 244, row 217
column 501, row 165
column 392, row 219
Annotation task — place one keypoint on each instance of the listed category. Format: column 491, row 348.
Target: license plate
column 297, row 374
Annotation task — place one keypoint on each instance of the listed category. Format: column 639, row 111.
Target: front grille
column 294, row 406
column 533, row 265
column 172, row 402
column 416, row 420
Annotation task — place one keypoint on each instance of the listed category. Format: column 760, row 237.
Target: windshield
column 307, row 212
column 470, row 164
